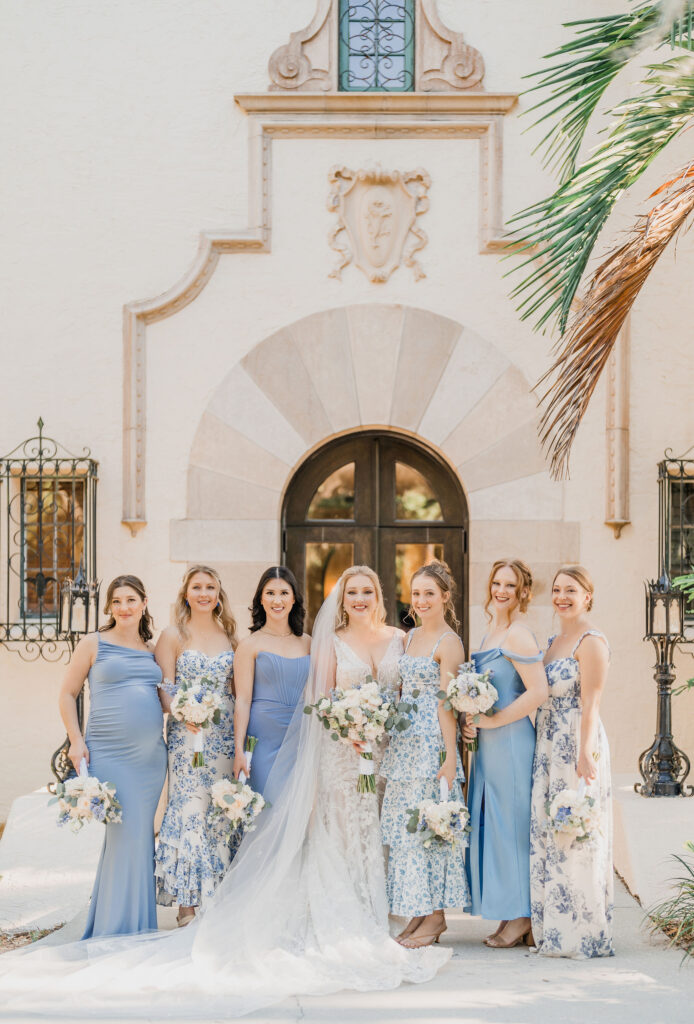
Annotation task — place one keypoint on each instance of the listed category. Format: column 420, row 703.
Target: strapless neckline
column 282, row 657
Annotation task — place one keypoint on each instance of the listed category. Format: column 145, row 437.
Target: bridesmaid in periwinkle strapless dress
column 270, row 672
column 124, row 744
column 194, row 849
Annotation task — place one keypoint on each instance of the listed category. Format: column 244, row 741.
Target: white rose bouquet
column 363, row 714
column 470, row 692
column 234, row 800
column 573, row 813
column 439, row 822
column 84, row 799
column 199, row 703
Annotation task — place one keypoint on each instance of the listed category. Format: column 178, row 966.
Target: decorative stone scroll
column 377, row 212
column 309, row 61
column 444, row 60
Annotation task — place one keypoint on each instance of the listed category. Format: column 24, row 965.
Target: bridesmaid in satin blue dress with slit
column 501, row 769
column 123, row 744
column 270, row 673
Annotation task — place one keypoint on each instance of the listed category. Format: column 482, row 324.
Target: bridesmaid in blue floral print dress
column 422, row 882
column 501, row 769
column 194, row 850
column 572, row 883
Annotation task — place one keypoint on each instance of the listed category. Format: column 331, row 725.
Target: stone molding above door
column 444, row 62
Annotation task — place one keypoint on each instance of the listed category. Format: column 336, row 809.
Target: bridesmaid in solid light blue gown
column 123, row 744
column 270, row 672
column 501, row 770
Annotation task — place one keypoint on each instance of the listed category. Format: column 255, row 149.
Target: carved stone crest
column 377, row 215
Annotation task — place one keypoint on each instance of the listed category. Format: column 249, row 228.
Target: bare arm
column 521, row 641
column 593, row 659
column 165, row 654
column 73, row 681
column 244, row 672
column 451, row 654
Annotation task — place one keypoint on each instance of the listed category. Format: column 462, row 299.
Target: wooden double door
column 375, row 499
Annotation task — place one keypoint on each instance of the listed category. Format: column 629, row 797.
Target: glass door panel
column 325, row 563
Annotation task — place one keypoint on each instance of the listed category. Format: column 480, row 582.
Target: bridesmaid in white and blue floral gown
column 194, row 849
column 571, row 884
column 421, row 882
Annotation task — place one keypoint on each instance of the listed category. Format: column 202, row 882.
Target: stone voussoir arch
column 396, row 367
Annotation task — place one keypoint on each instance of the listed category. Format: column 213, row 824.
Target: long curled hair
column 341, row 617
column 221, row 614
column 297, row 612
column 524, row 583
column 146, row 625
column 441, row 574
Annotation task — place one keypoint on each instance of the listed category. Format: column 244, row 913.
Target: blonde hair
column 221, row 614
column 341, row 616
column 441, row 574
column 524, row 583
column 580, row 576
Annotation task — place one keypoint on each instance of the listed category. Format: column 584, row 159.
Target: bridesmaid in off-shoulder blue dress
column 501, row 778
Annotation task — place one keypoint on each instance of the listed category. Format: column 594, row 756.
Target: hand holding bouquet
column 84, row 799
column 198, row 703
column 573, row 813
column 362, row 715
column 439, row 822
column 470, row 692
column 235, row 801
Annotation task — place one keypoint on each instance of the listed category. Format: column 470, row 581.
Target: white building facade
column 331, row 369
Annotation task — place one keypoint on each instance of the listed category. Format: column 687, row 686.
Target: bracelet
column 165, row 682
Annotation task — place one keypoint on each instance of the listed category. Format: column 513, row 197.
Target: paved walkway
column 644, row 984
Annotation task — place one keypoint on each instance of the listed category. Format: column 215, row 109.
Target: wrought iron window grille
column 48, row 530
column 676, row 517
column 376, row 45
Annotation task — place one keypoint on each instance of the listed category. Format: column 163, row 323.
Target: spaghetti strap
column 409, row 637
column 436, row 645
column 590, row 632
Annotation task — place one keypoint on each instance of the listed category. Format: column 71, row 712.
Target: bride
column 302, row 910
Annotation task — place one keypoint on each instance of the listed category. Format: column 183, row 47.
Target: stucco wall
column 122, row 142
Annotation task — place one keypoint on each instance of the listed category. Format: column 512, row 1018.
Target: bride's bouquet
column 235, row 801
column 363, row 714
column 198, row 703
column 470, row 692
column 573, row 813
column 84, row 799
column 439, row 823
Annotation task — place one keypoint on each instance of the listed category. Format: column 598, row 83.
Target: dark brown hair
column 146, row 624
column 297, row 612
column 443, row 577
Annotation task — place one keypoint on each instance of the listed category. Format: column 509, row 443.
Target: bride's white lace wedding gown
column 302, row 911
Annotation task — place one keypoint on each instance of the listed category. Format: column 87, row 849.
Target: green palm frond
column 588, row 63
column 560, row 232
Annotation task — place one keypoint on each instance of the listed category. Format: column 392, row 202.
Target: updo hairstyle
column 442, row 576
column 524, row 586
column 580, row 576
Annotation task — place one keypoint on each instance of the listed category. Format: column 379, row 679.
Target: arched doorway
column 376, row 498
